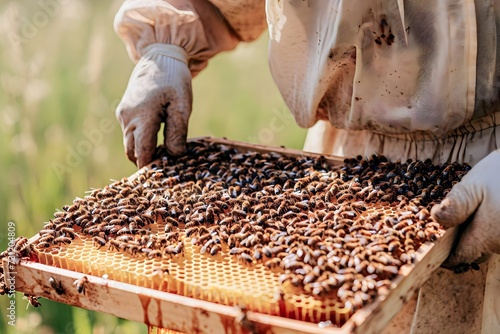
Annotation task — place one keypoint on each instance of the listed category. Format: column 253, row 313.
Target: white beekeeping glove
column 171, row 41
column 159, row 90
column 474, row 201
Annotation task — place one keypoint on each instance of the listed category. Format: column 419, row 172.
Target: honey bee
column 226, row 221
column 93, row 230
column 263, row 219
column 215, row 249
column 273, row 263
column 245, row 206
column 47, row 232
column 190, row 231
column 160, row 271
column 62, row 225
column 258, row 207
column 277, row 189
column 80, row 284
column 46, row 238
column 62, row 240
column 166, row 251
column 152, row 253
column 240, row 213
column 69, row 232
column 206, row 246
column 210, row 215
column 201, row 239
column 257, row 254
column 236, row 251
column 127, row 211
column 107, row 191
column 421, row 234
column 172, row 221
column 161, row 211
column 246, row 228
column 348, row 214
column 57, row 286
column 222, row 205
column 179, row 248
column 32, row 300
column 387, row 198
column 372, row 195
column 98, row 241
column 267, row 251
column 107, row 202
column 114, row 221
column 302, row 206
column 83, row 220
column 172, row 236
column 71, row 208
column 358, row 206
column 423, row 214
column 402, row 224
column 234, row 229
column 60, row 214
column 22, row 247
column 309, row 278
column 245, row 257
column 279, row 225
column 123, row 231
column 299, row 185
column 43, row 244
column 288, row 184
column 117, row 245
column 133, row 249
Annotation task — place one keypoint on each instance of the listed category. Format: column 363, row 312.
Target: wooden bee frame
column 184, row 314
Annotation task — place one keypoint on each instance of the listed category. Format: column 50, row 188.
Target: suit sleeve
column 195, row 25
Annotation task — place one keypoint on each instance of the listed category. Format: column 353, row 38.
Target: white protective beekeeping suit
column 407, row 79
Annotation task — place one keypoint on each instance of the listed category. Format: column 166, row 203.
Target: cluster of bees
column 343, row 230
column 20, row 248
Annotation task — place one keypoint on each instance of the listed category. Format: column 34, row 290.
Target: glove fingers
column 471, row 245
column 146, row 137
column 458, row 205
column 129, row 144
column 176, row 123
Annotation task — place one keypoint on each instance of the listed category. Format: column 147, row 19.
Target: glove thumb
column 469, row 248
column 460, row 203
column 472, row 245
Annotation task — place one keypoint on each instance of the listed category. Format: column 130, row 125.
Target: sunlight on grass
column 62, row 73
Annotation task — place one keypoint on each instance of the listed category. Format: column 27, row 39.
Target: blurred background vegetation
column 62, row 72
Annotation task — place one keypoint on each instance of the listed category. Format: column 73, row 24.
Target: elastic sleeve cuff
column 168, row 50
column 195, row 26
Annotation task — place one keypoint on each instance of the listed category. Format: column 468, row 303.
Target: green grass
column 61, row 82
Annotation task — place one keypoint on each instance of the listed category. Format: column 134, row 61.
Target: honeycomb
column 286, row 236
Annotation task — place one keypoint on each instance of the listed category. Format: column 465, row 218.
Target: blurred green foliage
column 62, row 72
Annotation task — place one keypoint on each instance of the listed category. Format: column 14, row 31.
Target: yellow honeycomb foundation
column 220, row 279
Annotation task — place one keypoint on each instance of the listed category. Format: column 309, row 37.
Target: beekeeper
column 406, row 79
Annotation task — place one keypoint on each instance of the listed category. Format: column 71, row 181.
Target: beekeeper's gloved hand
column 171, row 41
column 159, row 90
column 474, row 201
